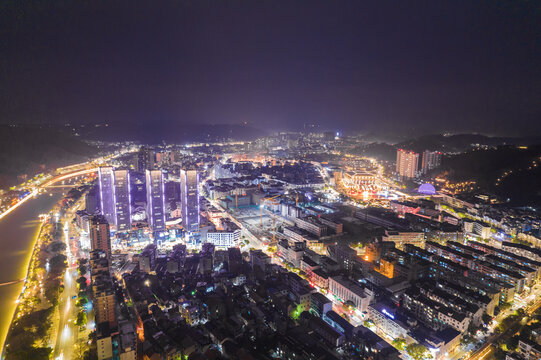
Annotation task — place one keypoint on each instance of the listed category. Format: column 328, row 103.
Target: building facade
column 407, row 163
column 122, row 197
column 189, row 193
column 155, row 200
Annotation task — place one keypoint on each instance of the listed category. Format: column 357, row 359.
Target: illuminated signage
column 388, row 313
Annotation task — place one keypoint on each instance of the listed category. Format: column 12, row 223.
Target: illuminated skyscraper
column 100, row 238
column 122, row 200
column 115, row 198
column 407, row 163
column 189, row 194
column 106, row 178
column 155, row 200
column 431, row 160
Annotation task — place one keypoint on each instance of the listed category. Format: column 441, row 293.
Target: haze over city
column 415, row 67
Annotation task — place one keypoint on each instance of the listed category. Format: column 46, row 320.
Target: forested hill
column 28, row 150
column 462, row 142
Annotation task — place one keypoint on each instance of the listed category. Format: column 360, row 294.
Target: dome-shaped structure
column 426, row 189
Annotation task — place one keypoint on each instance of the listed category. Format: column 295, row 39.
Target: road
column 486, row 350
column 51, row 182
column 67, row 331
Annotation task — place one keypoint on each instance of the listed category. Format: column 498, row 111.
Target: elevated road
column 49, row 183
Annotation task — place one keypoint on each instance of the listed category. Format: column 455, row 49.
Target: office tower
column 100, row 238
column 145, row 159
column 122, row 200
column 106, row 180
column 407, row 163
column 431, row 160
column 189, row 193
column 155, row 200
column 92, row 200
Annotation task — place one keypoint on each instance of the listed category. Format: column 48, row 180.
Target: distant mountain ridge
column 170, row 133
column 28, row 150
column 508, row 171
column 462, row 142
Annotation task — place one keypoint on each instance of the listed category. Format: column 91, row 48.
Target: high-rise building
column 115, row 197
column 155, row 200
column 431, row 160
column 92, row 200
column 100, row 238
column 407, row 163
column 189, row 193
column 145, row 159
column 104, row 300
column 106, row 178
column 122, row 200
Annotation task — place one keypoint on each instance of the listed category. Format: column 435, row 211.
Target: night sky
column 425, row 67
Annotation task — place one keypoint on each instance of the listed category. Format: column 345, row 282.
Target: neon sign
column 387, row 313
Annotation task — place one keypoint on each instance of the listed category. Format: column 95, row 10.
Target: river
column 18, row 231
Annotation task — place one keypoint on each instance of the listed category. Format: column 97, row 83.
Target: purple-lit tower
column 106, row 178
column 189, row 199
column 122, row 195
column 155, row 200
column 115, row 197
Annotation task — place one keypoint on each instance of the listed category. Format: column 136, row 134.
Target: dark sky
column 399, row 65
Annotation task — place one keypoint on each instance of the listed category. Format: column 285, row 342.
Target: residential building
column 100, row 237
column 349, row 291
column 407, row 163
column 431, row 160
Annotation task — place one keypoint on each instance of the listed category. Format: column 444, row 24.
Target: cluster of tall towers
column 115, row 198
column 410, row 164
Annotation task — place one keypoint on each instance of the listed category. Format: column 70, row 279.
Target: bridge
column 11, row 282
column 49, row 184
column 71, row 175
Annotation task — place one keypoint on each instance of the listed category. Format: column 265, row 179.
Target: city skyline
column 271, row 179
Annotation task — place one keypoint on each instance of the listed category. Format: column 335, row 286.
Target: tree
column 58, row 262
column 82, row 269
column 512, row 343
column 418, row 352
column 81, row 302
column 81, row 318
column 57, row 246
column 296, row 313
column 399, row 344
column 486, row 318
column 82, row 283
column 35, row 353
column 504, row 306
column 368, row 323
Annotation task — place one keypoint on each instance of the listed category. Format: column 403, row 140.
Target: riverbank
column 30, row 332
column 28, row 269
column 18, row 235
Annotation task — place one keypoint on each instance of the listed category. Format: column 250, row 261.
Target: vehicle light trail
column 49, row 183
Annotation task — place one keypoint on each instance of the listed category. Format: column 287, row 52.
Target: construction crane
column 272, row 201
column 236, row 201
